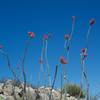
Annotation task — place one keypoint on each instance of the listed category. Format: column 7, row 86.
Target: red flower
column 92, row 21
column 62, row 60
column 67, row 36
column 73, row 18
column 83, row 50
column 1, row 46
column 31, row 34
column 45, row 37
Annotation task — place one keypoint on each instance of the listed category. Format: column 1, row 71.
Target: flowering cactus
column 41, row 60
column 31, row 35
column 47, row 64
column 84, row 72
column 68, row 37
column 91, row 23
column 44, row 58
column 67, row 44
column 84, row 54
column 63, row 60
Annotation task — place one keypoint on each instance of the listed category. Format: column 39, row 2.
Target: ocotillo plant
column 31, row 36
column 41, row 62
column 44, row 59
column 67, row 44
column 46, row 37
column 84, row 73
column 68, row 38
column 84, row 54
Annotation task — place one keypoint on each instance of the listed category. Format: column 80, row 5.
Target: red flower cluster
column 83, row 50
column 63, row 61
column 67, row 36
column 31, row 34
column 84, row 53
column 45, row 37
column 92, row 21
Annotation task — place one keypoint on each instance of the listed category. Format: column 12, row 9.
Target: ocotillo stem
column 48, row 68
column 53, row 82
column 55, row 75
column 9, row 64
column 23, row 61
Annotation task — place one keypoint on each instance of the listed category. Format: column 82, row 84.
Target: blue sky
column 17, row 17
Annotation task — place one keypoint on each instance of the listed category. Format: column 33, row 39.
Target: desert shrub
column 1, row 98
column 74, row 90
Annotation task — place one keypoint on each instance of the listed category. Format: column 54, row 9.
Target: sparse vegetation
column 74, row 90
column 1, row 98
column 70, row 89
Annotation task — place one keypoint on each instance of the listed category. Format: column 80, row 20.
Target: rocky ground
column 8, row 92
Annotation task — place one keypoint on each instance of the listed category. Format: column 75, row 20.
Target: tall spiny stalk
column 8, row 63
column 31, row 35
column 47, row 64
column 67, row 45
column 41, row 61
column 53, row 83
column 84, row 54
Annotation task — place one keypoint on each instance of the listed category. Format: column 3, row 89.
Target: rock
column 8, row 90
column 3, row 97
column 9, row 98
column 44, row 96
column 42, row 93
column 72, row 98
